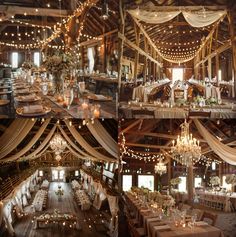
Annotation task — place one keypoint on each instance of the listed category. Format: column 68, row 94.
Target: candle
column 60, row 98
column 85, row 105
column 96, row 113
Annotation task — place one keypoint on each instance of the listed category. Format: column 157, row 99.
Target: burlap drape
column 31, row 143
column 85, row 145
column 103, row 137
column 225, row 152
column 14, row 135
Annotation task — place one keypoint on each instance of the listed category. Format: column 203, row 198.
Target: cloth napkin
column 31, row 109
column 162, row 227
column 201, row 223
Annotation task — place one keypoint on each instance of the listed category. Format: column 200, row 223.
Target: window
column 197, row 182
column 106, row 166
column 126, row 182
column 213, row 165
column 37, row 58
column 61, row 174
column 219, row 75
column 146, row 181
column 40, row 173
column 91, row 59
column 182, row 185
column 15, row 59
column 111, row 167
column 76, row 173
column 225, row 185
column 177, row 74
column 54, row 175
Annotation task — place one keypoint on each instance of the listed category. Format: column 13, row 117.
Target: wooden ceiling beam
column 30, row 11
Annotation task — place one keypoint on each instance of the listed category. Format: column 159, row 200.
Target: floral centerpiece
column 200, row 100
column 215, row 181
column 175, row 181
column 211, row 101
column 57, row 65
column 27, row 65
column 59, row 192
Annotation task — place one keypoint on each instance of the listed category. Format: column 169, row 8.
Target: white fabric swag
column 85, row 155
column 85, row 145
column 42, row 145
column 31, row 143
column 194, row 18
column 226, row 153
column 103, row 137
column 14, row 135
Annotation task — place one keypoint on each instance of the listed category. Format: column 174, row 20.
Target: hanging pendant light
column 160, row 168
column 105, row 10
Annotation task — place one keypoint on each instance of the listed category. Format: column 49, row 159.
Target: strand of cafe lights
column 147, row 157
column 57, row 28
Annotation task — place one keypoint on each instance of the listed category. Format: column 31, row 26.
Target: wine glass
column 69, row 97
column 44, row 88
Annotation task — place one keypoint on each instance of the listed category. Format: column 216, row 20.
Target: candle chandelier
column 160, row 168
column 58, row 145
column 186, row 149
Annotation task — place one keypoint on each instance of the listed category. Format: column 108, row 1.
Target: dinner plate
column 45, row 111
column 99, row 97
column 22, row 100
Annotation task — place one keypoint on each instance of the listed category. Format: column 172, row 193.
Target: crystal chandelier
column 186, row 149
column 160, row 168
column 58, row 145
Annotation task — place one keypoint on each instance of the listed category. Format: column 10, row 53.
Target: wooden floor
column 91, row 221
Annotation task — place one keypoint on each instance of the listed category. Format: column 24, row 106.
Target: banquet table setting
column 156, row 223
column 39, row 200
column 159, row 109
column 83, row 200
column 75, row 185
column 35, row 98
column 45, row 185
column 142, row 92
column 66, row 219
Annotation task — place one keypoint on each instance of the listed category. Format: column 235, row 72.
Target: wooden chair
column 209, row 216
column 143, row 114
column 136, row 232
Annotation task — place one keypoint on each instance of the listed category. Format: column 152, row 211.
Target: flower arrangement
column 215, row 181
column 230, row 179
column 200, row 100
column 175, row 181
column 59, row 192
column 57, row 63
column 211, row 101
column 27, row 65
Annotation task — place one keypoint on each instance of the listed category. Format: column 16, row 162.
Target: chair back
column 209, row 216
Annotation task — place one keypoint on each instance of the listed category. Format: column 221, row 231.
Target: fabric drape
column 1, row 213
column 103, row 137
column 42, row 145
column 226, row 153
column 200, row 18
column 85, row 145
column 153, row 17
column 14, row 135
column 86, row 155
column 31, row 143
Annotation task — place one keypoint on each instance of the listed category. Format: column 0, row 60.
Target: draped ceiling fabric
column 14, row 135
column 31, row 143
column 86, row 156
column 194, row 18
column 85, row 145
column 104, row 138
column 226, row 153
column 42, row 145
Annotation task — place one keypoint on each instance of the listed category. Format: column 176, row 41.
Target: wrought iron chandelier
column 58, row 145
column 160, row 168
column 186, row 149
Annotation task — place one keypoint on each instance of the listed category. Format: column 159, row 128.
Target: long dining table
column 158, row 226
column 128, row 110
column 31, row 96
